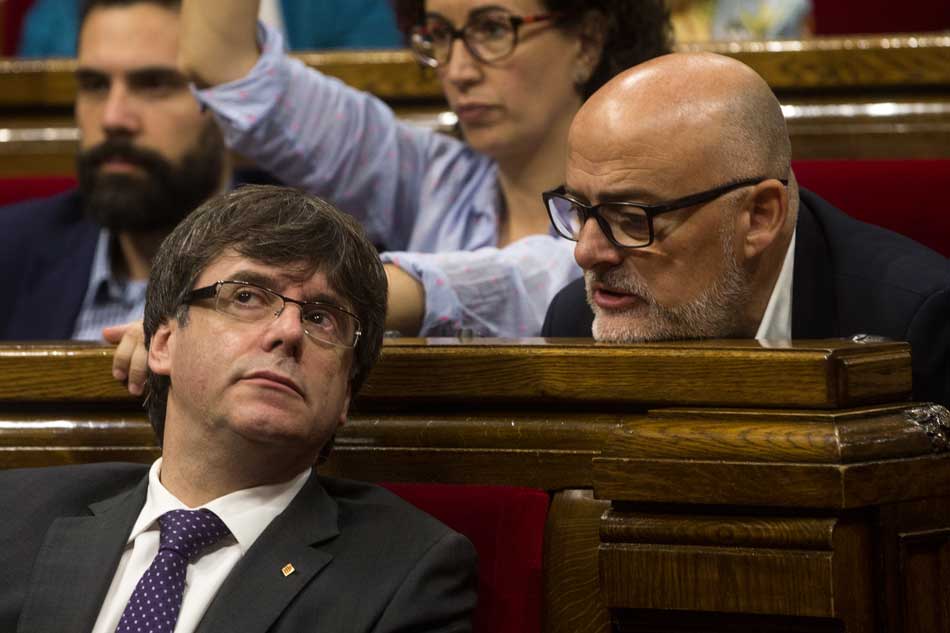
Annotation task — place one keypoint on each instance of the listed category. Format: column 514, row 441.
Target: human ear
column 766, row 216
column 590, row 34
column 346, row 406
column 160, row 348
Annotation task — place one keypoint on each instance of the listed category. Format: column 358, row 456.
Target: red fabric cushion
column 13, row 13
column 506, row 526
column 843, row 17
column 18, row 189
column 911, row 197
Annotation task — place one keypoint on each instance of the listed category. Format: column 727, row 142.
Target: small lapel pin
column 287, row 569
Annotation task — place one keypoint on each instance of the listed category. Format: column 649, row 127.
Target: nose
column 462, row 69
column 120, row 114
column 594, row 250
column 285, row 334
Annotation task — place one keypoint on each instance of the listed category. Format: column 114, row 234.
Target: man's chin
column 620, row 326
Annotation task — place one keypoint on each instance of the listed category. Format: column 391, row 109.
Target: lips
column 474, row 112
column 608, row 298
column 274, row 380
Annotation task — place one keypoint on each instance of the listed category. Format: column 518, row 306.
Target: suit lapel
column 76, row 564
column 57, row 280
column 814, row 312
column 256, row 591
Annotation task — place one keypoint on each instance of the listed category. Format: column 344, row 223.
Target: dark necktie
column 156, row 601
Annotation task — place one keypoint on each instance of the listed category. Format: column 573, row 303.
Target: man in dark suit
column 265, row 311
column 76, row 262
column 689, row 223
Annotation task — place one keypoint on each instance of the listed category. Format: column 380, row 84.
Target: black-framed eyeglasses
column 255, row 304
column 490, row 34
column 625, row 224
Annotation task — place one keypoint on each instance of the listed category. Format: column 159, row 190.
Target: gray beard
column 715, row 313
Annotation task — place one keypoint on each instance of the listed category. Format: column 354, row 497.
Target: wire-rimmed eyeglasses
column 625, row 224
column 489, row 34
column 249, row 302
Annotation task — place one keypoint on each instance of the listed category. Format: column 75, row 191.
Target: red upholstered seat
column 910, row 197
column 506, row 526
column 26, row 187
column 843, row 17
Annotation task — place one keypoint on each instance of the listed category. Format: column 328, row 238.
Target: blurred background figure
column 705, row 20
column 50, row 26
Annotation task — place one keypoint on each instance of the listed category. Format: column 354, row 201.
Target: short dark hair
column 277, row 226
column 86, row 6
column 634, row 31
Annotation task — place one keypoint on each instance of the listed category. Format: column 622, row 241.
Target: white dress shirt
column 776, row 324
column 246, row 513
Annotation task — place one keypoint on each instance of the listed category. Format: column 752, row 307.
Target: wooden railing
column 855, row 97
column 720, row 484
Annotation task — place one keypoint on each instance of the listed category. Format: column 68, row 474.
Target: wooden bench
column 876, row 96
column 703, row 486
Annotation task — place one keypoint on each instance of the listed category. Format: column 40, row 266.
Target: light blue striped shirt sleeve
column 430, row 199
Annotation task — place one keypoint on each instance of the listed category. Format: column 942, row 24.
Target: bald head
column 715, row 112
column 699, row 142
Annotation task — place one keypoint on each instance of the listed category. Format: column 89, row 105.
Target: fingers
column 131, row 358
column 114, row 333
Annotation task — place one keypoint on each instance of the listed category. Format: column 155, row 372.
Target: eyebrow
column 145, row 74
column 622, row 195
column 160, row 74
column 273, row 283
column 468, row 16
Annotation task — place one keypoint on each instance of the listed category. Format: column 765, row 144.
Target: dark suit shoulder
column 66, row 490
column 569, row 315
column 43, row 214
column 863, row 252
column 361, row 503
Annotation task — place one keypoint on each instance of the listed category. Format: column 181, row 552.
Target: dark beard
column 158, row 198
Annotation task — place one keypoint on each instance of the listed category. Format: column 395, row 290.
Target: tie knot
column 188, row 532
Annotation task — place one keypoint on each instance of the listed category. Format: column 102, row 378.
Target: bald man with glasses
column 689, row 223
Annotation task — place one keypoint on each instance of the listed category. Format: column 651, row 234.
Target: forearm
column 406, row 304
column 490, row 291
column 218, row 40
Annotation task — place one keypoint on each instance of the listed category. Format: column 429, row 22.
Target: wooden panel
column 766, row 563
column 781, row 485
column 619, row 526
column 696, row 482
column 925, row 563
column 762, row 435
column 821, row 63
column 787, row 582
column 857, row 97
column 818, row 63
column 709, row 373
column 650, row 621
column 572, row 599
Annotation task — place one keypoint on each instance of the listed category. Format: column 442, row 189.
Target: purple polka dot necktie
column 156, row 600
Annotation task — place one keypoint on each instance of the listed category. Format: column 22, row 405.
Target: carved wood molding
column 869, row 62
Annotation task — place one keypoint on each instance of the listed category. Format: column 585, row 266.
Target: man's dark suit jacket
column 46, row 251
column 364, row 559
column 850, row 278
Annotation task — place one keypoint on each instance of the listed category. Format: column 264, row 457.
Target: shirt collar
column 104, row 286
column 247, row 513
column 776, row 324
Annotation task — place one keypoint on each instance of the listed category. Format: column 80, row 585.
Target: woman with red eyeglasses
column 467, row 243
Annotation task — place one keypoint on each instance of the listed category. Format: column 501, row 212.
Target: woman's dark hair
column 634, row 30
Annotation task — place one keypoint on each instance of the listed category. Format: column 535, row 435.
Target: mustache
column 119, row 148
column 619, row 279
